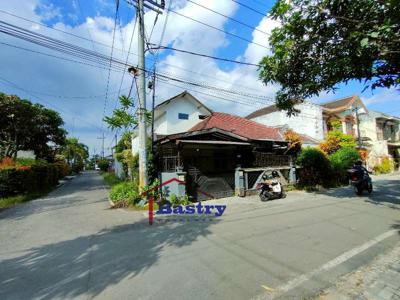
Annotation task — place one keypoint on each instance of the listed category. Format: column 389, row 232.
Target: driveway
column 70, row 245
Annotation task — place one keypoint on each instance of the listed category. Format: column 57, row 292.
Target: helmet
column 264, row 177
column 275, row 174
column 358, row 163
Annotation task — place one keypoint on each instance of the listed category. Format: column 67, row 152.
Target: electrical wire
column 249, row 8
column 218, row 29
column 207, row 56
column 229, row 18
column 48, row 103
column 111, row 57
column 105, row 45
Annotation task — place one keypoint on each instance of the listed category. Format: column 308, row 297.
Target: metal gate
column 209, row 186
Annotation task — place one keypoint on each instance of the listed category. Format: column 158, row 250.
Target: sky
column 83, row 94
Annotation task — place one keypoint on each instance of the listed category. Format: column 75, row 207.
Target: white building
column 175, row 115
column 308, row 121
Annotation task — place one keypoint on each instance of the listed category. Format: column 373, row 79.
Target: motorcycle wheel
column 370, row 188
column 263, row 198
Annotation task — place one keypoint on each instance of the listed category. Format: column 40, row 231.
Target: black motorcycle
column 271, row 189
column 360, row 180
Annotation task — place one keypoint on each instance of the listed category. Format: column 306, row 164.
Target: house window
column 182, row 116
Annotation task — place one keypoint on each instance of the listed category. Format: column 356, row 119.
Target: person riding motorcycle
column 358, row 165
column 362, row 181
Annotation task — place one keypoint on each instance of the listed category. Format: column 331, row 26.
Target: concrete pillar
column 239, row 182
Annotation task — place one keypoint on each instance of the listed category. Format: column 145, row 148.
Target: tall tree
column 28, row 126
column 75, row 152
column 321, row 43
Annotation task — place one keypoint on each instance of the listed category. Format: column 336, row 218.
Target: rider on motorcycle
column 358, row 165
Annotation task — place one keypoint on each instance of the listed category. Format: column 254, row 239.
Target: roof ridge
column 333, row 101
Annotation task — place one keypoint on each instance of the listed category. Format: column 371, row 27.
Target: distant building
column 308, row 121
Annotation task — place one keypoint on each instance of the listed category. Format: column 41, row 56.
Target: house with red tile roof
column 214, row 148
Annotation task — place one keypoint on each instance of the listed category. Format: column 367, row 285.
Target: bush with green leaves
column 385, row 167
column 341, row 161
column 124, row 194
column 103, row 165
column 39, row 177
column 315, row 168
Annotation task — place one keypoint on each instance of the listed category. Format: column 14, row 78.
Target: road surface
column 69, row 245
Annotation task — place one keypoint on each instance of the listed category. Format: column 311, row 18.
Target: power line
column 42, row 100
column 105, row 45
column 59, row 57
column 250, row 8
column 127, row 57
column 207, row 56
column 79, row 51
column 111, row 57
column 227, row 17
column 218, row 29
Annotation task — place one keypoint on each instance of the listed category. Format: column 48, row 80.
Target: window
column 182, row 116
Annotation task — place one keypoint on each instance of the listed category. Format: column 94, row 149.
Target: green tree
column 28, row 126
column 342, row 160
column 122, row 117
column 321, row 43
column 76, row 153
column 336, row 140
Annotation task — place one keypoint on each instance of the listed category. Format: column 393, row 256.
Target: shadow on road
column 83, row 190
column 386, row 192
column 88, row 265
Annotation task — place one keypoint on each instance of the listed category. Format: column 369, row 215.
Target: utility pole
column 140, row 73
column 142, row 99
column 102, row 144
column 358, row 128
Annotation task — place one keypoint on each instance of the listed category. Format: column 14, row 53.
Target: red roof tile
column 240, row 126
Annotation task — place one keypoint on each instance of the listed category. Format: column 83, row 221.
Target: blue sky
column 56, row 83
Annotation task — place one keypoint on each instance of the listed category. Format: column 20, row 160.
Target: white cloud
column 41, row 73
column 385, row 96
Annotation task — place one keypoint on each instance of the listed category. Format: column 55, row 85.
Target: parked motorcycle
column 271, row 188
column 360, row 179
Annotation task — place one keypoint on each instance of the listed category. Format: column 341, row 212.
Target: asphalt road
column 70, row 245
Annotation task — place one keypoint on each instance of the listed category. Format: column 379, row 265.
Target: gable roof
column 183, row 94
column 341, row 104
column 239, row 126
column 263, row 111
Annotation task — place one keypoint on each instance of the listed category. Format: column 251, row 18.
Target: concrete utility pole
column 140, row 73
column 102, row 144
column 142, row 100
column 358, row 127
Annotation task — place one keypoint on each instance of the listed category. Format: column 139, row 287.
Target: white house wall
column 185, row 106
column 308, row 121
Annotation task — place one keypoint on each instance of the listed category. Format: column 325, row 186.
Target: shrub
column 341, row 161
column 123, row 194
column 111, row 179
column 385, row 167
column 174, row 200
column 38, row 177
column 63, row 169
column 336, row 140
column 315, row 168
column 103, row 165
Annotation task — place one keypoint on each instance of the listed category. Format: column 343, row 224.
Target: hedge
column 30, row 179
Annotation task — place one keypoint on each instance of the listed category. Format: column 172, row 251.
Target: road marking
column 334, row 262
column 268, row 288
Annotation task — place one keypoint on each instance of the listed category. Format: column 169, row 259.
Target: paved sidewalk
column 380, row 280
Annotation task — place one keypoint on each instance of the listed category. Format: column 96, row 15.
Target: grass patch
column 8, row 202
column 110, row 178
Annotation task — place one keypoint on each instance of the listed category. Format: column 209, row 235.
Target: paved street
column 70, row 245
